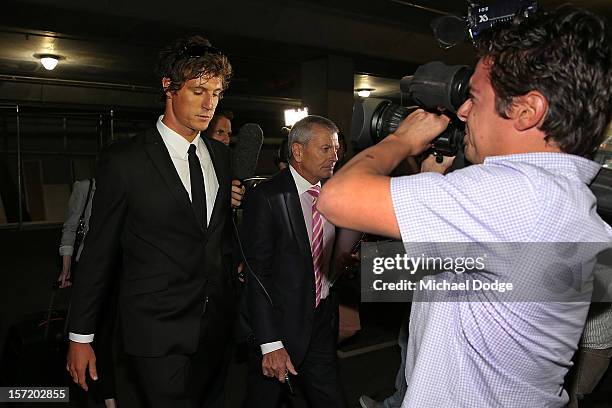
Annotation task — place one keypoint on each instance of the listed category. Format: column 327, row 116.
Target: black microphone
column 246, row 152
column 449, row 30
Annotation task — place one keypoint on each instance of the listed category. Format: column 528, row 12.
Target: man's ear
column 166, row 86
column 529, row 110
column 297, row 151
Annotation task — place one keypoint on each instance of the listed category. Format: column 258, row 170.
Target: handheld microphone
column 244, row 161
column 449, row 30
column 246, row 152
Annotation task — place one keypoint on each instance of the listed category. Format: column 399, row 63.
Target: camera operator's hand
column 430, row 164
column 417, row 131
column 358, row 197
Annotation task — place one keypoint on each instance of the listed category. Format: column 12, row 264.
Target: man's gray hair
column 301, row 132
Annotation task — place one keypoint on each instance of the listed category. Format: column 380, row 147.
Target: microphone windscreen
column 246, row 151
column 449, row 30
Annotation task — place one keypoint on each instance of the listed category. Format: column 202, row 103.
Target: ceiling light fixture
column 364, row 92
column 49, row 61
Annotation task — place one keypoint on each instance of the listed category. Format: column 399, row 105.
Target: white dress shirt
column 329, row 234
column 178, row 146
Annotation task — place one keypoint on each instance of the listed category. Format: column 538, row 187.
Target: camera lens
column 374, row 119
column 389, row 119
column 434, row 87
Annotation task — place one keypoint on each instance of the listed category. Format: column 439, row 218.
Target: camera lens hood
column 437, row 85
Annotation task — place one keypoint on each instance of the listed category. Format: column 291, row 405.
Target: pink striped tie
column 317, row 242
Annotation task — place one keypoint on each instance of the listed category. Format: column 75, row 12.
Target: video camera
column 451, row 30
column 435, row 86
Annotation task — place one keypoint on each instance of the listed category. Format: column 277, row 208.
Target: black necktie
column 198, row 190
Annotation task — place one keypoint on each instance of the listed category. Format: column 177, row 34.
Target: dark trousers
column 317, row 373
column 196, row 380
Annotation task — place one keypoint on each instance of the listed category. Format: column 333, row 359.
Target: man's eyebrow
column 200, row 86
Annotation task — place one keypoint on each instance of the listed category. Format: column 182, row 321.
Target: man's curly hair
column 179, row 66
column 565, row 55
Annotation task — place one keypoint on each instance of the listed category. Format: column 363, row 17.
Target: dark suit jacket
column 276, row 246
column 143, row 221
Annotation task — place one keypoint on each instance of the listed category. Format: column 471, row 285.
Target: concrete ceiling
column 114, row 43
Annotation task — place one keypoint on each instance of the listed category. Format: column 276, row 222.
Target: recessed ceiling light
column 364, row 92
column 49, row 61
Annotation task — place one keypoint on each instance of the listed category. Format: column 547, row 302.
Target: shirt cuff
column 80, row 338
column 66, row 250
column 270, row 347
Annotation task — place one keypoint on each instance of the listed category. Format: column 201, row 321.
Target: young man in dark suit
column 289, row 247
column 162, row 215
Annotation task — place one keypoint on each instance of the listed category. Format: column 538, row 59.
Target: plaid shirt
column 497, row 354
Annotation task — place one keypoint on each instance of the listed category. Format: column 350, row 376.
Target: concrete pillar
column 327, row 89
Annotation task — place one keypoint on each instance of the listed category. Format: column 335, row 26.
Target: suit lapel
column 296, row 215
column 157, row 151
column 223, row 178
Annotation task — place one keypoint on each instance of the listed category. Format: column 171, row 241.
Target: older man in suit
column 162, row 212
column 289, row 245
